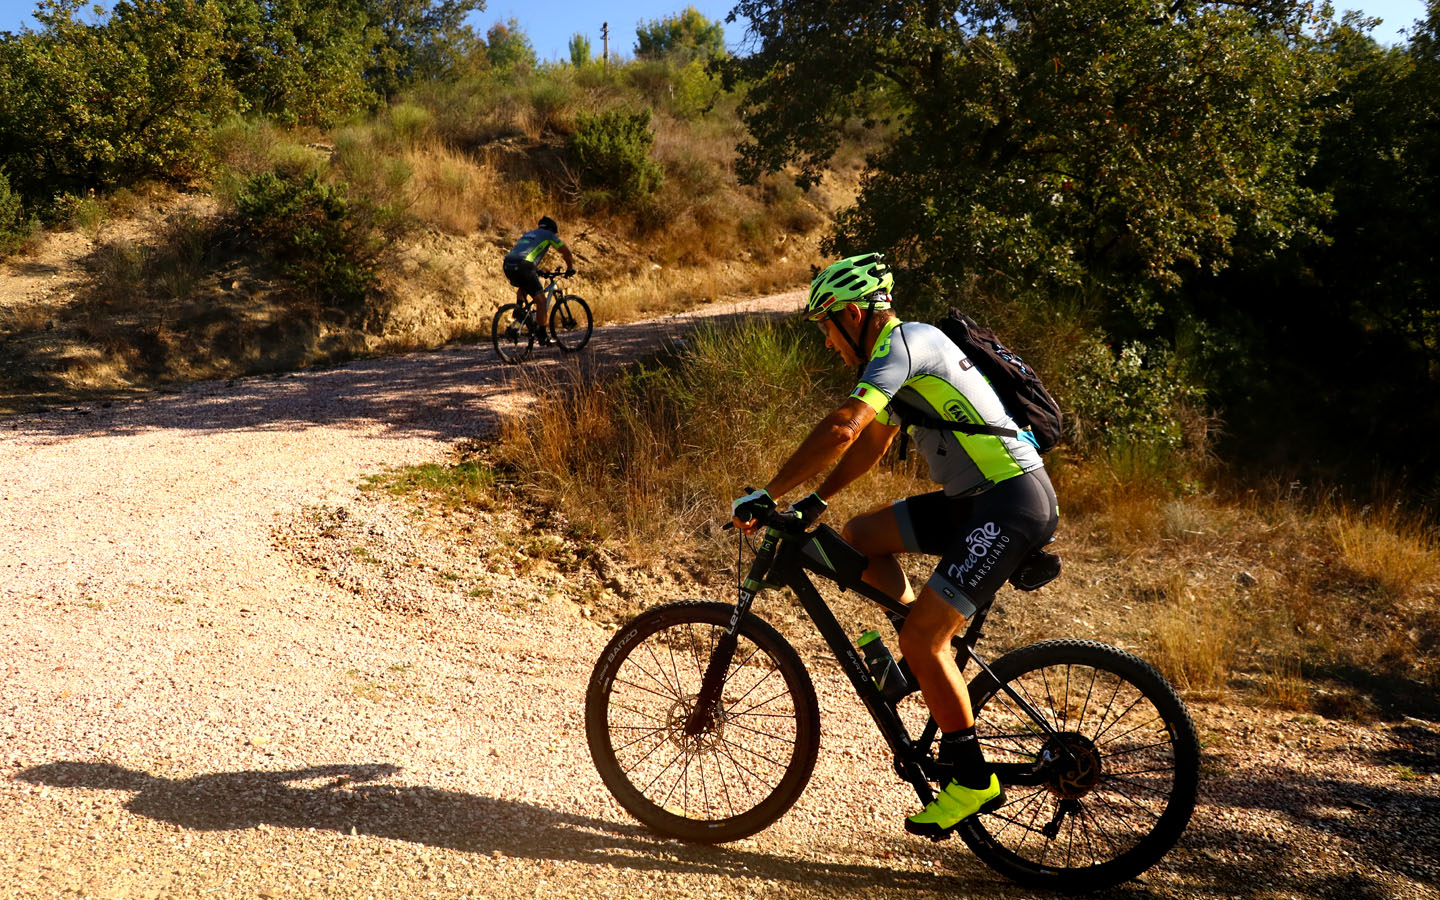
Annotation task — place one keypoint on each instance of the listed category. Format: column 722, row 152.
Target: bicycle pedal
column 942, row 836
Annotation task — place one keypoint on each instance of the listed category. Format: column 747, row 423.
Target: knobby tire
column 1131, row 783
column 737, row 776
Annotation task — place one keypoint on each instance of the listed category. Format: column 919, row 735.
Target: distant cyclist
column 521, row 269
column 996, row 504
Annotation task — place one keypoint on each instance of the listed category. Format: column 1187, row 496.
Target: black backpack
column 1017, row 385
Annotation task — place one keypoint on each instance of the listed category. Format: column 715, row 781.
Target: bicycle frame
column 780, row 562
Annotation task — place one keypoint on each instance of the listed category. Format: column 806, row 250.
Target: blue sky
column 551, row 24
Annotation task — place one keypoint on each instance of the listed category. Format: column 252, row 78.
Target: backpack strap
column 913, row 416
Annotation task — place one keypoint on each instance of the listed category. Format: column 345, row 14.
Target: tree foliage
column 508, row 47
column 580, row 50
column 1096, row 147
column 96, row 105
column 418, row 40
column 301, row 62
column 687, row 33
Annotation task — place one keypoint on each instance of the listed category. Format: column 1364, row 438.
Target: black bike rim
column 1118, row 773
column 726, row 771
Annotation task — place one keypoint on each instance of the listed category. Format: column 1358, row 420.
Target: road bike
column 704, row 724
column 514, row 329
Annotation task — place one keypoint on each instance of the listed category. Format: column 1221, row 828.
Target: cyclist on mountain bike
column 522, row 269
column 996, row 504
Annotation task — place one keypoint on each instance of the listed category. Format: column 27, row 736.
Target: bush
column 15, row 227
column 327, row 246
column 612, row 150
column 1137, row 397
column 94, row 106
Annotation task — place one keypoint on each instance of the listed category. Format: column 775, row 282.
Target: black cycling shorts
column 524, row 275
column 980, row 539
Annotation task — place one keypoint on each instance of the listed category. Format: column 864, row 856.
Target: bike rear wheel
column 740, row 773
column 510, row 335
column 570, row 323
column 1116, row 785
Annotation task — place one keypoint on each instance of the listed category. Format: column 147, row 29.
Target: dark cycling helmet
column 548, row 224
column 855, row 279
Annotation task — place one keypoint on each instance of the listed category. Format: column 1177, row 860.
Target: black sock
column 960, row 751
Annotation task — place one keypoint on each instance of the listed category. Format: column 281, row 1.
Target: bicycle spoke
column 1134, row 784
column 1165, row 743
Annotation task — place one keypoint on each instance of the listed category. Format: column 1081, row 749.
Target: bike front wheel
column 570, row 323
column 743, row 770
column 510, row 334
column 1109, row 792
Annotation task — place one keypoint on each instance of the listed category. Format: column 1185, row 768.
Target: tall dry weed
column 649, row 457
column 448, row 190
column 1195, row 635
column 1395, row 551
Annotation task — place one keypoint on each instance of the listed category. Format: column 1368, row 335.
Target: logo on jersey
column 986, row 544
column 982, row 539
column 955, row 412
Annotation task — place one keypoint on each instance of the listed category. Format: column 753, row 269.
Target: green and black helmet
column 851, row 280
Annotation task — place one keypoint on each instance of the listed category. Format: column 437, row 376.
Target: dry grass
column 448, row 190
column 1195, row 642
column 1394, row 551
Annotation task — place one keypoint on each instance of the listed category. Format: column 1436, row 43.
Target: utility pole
column 605, row 36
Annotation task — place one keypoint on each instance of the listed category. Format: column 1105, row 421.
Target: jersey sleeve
column 884, row 375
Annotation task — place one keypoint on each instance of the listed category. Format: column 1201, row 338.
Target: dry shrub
column 1111, row 504
column 448, row 190
column 1195, row 638
column 1283, row 684
column 1384, row 546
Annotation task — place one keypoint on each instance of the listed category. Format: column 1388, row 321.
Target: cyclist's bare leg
column 877, row 535
column 542, row 308
column 925, row 644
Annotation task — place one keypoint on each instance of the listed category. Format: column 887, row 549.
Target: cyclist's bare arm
column 860, row 458
column 568, row 257
column 827, row 442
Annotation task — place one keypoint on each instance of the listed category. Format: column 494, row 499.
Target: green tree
column 419, row 40
column 92, row 105
column 1347, row 329
column 508, row 47
column 580, row 50
column 688, row 33
column 612, row 152
column 301, row 62
column 1107, row 147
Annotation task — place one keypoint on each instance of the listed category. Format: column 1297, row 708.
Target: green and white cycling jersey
column 533, row 245
column 918, row 365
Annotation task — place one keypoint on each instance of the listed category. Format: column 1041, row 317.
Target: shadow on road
column 1212, row 860
column 444, row 394
column 348, row 798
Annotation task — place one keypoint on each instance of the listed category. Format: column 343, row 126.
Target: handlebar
column 558, row 273
column 789, row 522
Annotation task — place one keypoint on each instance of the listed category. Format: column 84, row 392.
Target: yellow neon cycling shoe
column 953, row 805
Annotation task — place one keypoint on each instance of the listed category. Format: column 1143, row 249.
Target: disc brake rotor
column 1075, row 763
column 706, row 740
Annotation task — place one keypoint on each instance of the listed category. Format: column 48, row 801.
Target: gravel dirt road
column 229, row 673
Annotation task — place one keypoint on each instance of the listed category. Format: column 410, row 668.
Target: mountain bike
column 514, row 328
column 704, row 724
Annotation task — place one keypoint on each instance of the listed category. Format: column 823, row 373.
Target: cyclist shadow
column 351, row 799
